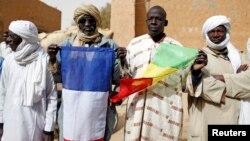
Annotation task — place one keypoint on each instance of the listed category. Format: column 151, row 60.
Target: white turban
column 233, row 53
column 215, row 21
column 25, row 29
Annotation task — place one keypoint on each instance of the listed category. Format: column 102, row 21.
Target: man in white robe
column 27, row 93
column 4, row 49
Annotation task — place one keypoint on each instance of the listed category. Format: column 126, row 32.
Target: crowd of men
column 216, row 83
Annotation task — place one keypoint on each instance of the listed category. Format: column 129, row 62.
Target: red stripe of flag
column 129, row 86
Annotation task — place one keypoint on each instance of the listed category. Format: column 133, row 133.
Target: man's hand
column 200, row 61
column 52, row 51
column 48, row 137
column 242, row 68
column 121, row 53
column 112, row 94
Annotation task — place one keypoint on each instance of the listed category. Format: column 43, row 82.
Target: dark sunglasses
column 89, row 20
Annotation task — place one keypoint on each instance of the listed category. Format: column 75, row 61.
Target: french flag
column 87, row 77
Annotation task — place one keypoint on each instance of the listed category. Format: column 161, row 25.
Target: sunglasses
column 85, row 20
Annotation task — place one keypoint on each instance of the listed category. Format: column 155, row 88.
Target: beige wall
column 123, row 21
column 186, row 18
column 46, row 18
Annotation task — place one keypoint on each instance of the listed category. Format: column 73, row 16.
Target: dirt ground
column 118, row 135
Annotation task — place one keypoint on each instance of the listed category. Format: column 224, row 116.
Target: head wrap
column 26, row 52
column 87, row 9
column 25, row 29
column 233, row 53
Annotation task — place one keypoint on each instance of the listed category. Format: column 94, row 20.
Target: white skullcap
column 25, row 29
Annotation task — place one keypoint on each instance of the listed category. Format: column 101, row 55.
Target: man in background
column 4, row 49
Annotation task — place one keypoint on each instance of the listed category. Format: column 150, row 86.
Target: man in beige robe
column 215, row 99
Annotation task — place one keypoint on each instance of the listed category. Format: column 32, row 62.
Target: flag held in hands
column 86, row 76
column 167, row 59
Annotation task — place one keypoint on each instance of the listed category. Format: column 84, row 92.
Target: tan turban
column 87, row 9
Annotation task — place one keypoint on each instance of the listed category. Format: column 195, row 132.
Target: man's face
column 87, row 25
column 14, row 40
column 156, row 21
column 5, row 36
column 218, row 34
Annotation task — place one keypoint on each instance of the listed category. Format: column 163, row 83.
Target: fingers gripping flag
column 86, row 76
column 167, row 59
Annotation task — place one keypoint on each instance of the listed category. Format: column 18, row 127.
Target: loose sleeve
column 209, row 88
column 51, row 101
column 237, row 85
column 2, row 90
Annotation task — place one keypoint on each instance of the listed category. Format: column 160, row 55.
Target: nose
column 154, row 21
column 87, row 23
column 8, row 39
column 216, row 33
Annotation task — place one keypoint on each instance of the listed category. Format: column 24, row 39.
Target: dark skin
column 87, row 24
column 218, row 35
column 14, row 41
column 156, row 22
column 5, row 37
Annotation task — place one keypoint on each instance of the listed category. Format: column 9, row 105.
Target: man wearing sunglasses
column 88, row 20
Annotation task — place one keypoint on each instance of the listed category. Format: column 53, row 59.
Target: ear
column 166, row 23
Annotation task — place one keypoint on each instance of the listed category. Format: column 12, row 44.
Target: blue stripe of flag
column 87, row 69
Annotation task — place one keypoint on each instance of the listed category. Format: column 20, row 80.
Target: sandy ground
column 118, row 134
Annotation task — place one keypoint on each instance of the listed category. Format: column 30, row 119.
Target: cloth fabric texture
column 4, row 49
column 1, row 63
column 104, row 43
column 155, row 113
column 213, row 96
column 233, row 55
column 84, row 87
column 27, row 122
column 27, row 54
column 27, row 96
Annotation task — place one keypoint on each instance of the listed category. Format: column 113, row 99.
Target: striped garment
column 156, row 113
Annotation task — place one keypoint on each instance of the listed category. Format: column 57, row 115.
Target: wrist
column 48, row 132
column 196, row 72
column 1, row 125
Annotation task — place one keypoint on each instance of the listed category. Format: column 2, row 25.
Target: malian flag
column 168, row 59
column 87, row 77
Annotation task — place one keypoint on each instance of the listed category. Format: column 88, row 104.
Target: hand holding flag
column 167, row 60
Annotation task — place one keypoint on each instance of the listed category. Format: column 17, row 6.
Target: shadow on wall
column 57, row 37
